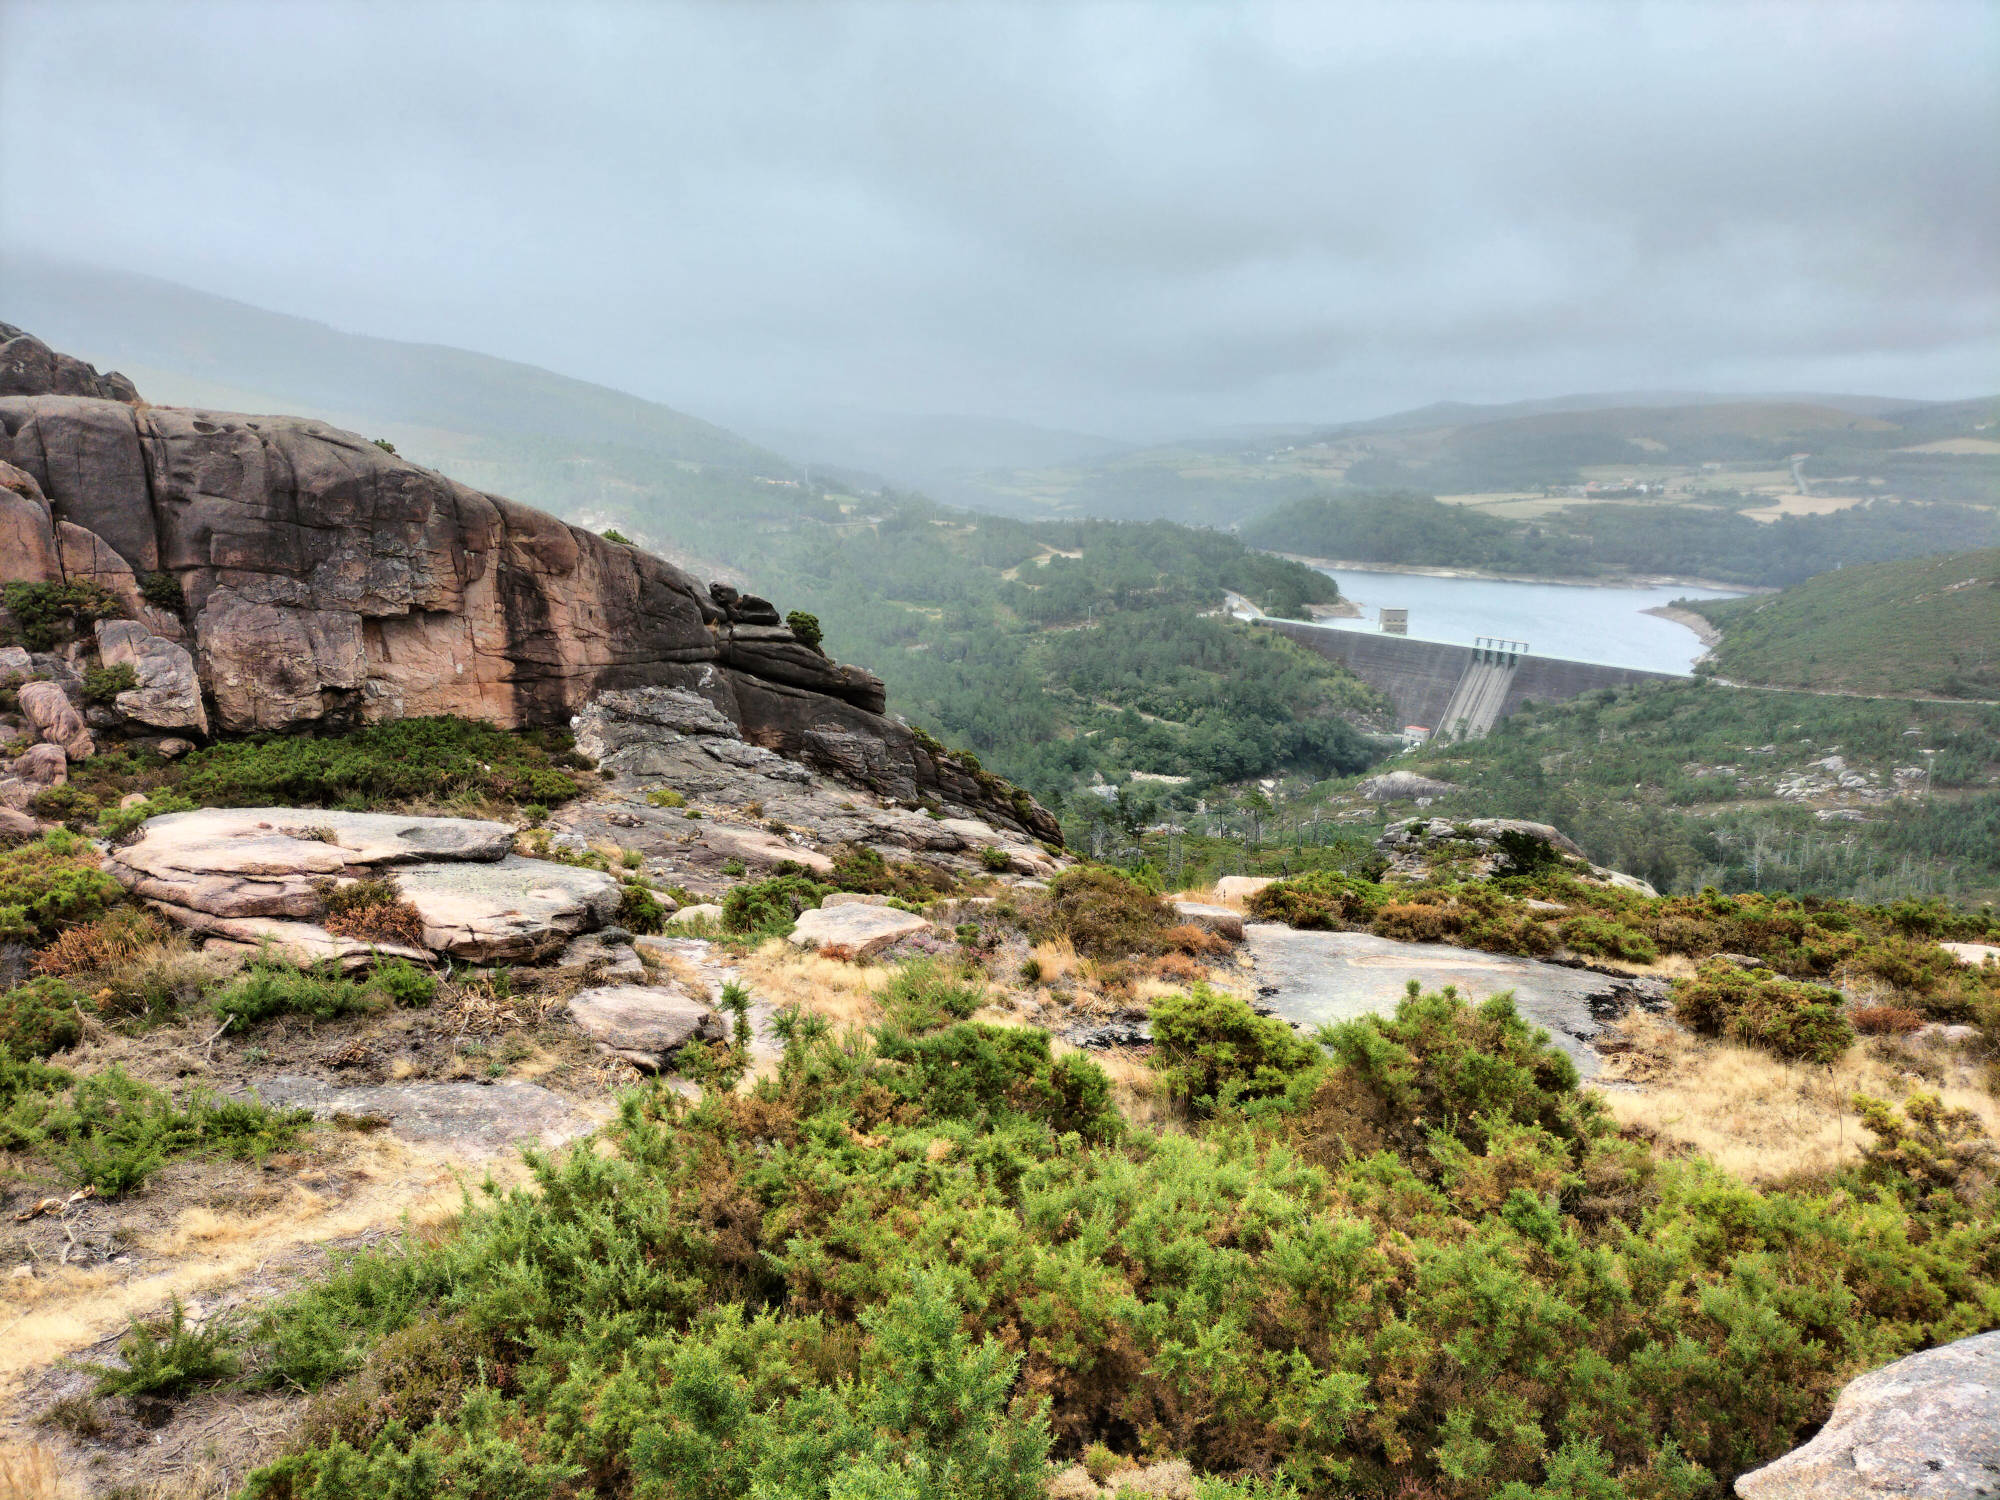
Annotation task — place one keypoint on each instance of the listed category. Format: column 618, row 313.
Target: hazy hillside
column 192, row 346
column 1730, row 450
column 1929, row 625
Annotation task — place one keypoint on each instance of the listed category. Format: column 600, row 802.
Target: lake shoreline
column 1710, row 636
column 1482, row 575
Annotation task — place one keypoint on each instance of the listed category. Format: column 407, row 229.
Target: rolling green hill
column 1927, row 626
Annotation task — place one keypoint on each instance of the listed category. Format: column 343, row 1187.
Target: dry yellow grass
column 1057, row 958
column 64, row 1310
column 28, row 1472
column 1764, row 1119
column 844, row 993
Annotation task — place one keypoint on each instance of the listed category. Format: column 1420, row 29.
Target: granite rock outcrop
column 314, row 577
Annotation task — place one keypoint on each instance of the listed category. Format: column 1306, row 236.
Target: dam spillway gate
column 1458, row 692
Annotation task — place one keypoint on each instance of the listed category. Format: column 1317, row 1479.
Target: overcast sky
column 1126, row 219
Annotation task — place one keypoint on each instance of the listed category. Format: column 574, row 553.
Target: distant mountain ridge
column 121, row 319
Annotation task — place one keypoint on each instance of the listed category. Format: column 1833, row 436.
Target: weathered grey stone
column 851, row 898
column 172, row 748
column 704, row 914
column 862, row 930
column 55, row 719
column 15, row 662
column 1314, row 978
column 615, row 956
column 264, row 861
column 1924, row 1428
column 1220, row 920
column 516, row 908
column 15, row 824
column 168, row 694
column 474, row 1119
column 645, row 1024
column 1400, row 786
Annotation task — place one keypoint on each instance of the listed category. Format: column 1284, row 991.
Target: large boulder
column 1403, row 786
column 515, row 909
column 1924, row 1428
column 1479, row 848
column 168, row 694
column 266, row 861
column 862, row 931
column 55, row 720
column 645, row 1024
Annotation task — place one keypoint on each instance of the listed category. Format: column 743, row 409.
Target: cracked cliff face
column 326, row 579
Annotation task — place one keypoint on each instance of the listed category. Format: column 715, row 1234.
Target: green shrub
column 163, row 591
column 111, row 1132
column 924, row 994
column 115, row 822
column 102, row 684
column 1218, row 1052
column 1105, row 913
column 40, row 1018
column 1794, row 1021
column 806, row 627
column 612, row 534
column 640, row 911
column 406, row 760
column 992, row 857
column 1320, row 899
column 50, row 613
column 51, row 883
column 168, row 1358
column 661, row 796
column 1600, row 938
column 407, row 986
column 270, row 989
column 856, row 867
column 770, row 906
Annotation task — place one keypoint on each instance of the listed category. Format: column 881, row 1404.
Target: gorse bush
column 770, row 906
column 102, row 684
column 111, row 1132
column 273, row 988
column 405, row 760
column 40, row 1018
column 50, row 883
column 1213, row 1050
column 1798, row 1022
column 1319, row 898
column 168, row 1357
column 921, row 1261
column 1104, row 913
column 48, row 614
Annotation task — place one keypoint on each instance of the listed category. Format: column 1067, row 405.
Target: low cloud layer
column 1125, row 219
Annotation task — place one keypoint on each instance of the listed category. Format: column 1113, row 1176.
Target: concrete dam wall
column 1424, row 678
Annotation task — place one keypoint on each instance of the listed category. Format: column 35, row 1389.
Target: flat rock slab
column 1219, row 920
column 1926, row 1428
column 864, row 930
column 512, row 908
column 478, row 1119
column 301, row 942
column 1974, row 954
column 645, row 1023
column 1314, row 978
column 262, row 861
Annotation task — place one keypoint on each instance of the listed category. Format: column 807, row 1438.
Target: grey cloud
column 1125, row 218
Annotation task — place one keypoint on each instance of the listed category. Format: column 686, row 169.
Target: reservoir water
column 1580, row 622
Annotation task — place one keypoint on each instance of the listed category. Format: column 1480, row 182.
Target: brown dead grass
column 1764, row 1119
